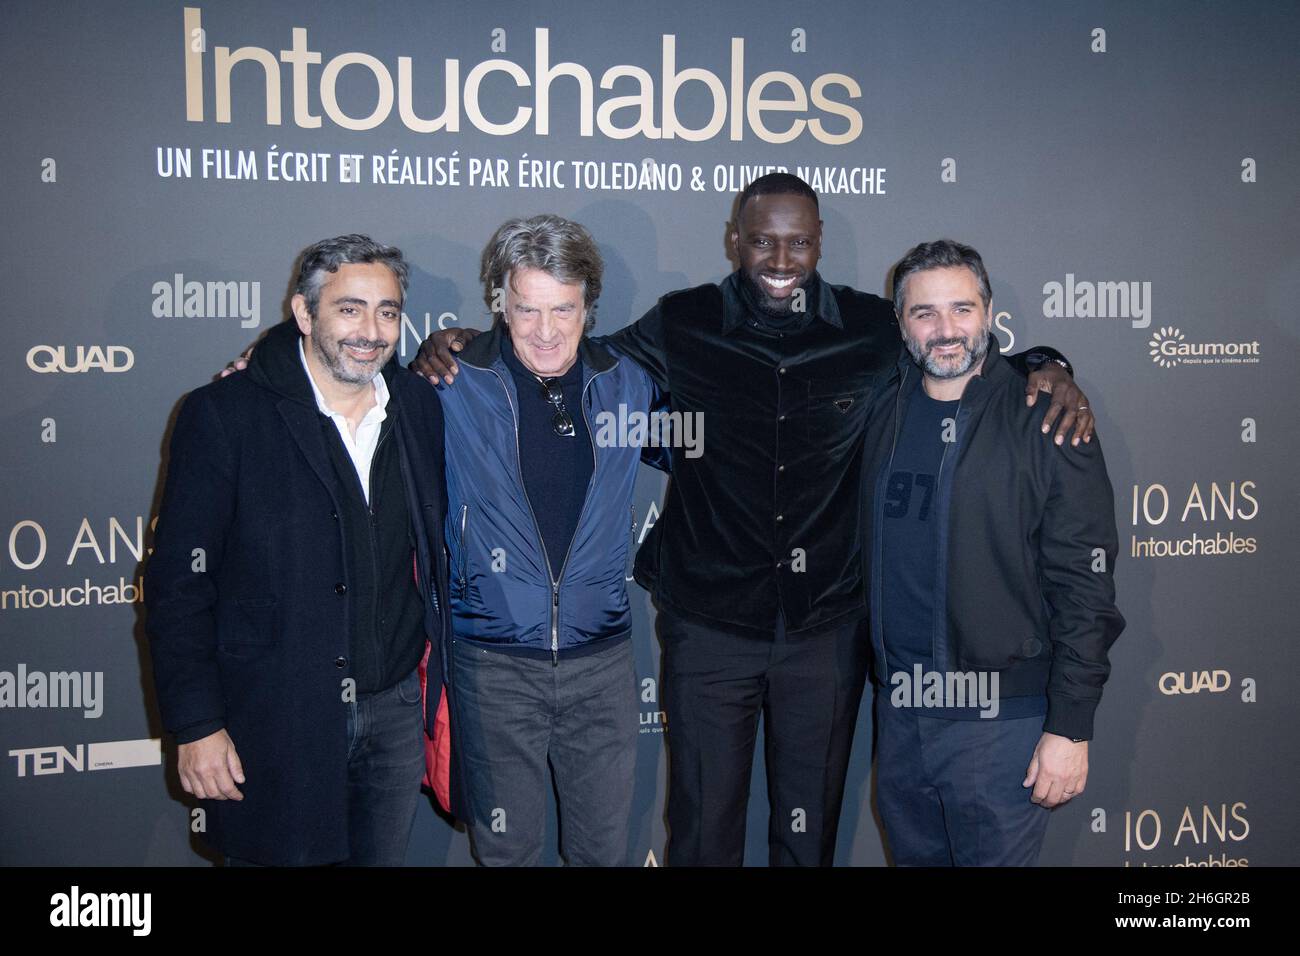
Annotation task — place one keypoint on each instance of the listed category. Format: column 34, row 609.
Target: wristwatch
column 1036, row 360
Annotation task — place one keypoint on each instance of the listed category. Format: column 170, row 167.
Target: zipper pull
column 464, row 558
column 555, row 625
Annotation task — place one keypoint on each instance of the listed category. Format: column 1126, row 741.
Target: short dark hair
column 776, row 184
column 328, row 254
column 940, row 254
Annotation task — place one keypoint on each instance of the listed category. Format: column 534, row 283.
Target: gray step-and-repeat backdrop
column 1127, row 170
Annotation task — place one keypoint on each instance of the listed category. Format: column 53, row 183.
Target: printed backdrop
column 1127, row 170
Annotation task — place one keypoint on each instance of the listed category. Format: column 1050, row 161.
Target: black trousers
column 715, row 686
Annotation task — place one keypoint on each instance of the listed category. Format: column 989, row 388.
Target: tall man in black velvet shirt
column 755, row 565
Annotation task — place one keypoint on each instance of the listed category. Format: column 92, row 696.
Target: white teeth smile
column 778, row 283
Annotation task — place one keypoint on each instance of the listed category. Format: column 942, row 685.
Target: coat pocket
column 252, row 621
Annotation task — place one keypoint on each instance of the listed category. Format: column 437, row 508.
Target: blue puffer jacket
column 501, row 591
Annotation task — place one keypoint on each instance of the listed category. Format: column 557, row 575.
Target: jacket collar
column 735, row 310
column 485, row 352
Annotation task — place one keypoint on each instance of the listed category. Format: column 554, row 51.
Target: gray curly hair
column 561, row 248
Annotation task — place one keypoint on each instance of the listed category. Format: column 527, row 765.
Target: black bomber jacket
column 1025, row 583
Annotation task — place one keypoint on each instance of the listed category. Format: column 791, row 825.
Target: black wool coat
column 247, row 599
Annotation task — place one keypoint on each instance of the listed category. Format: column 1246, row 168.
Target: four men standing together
column 760, row 565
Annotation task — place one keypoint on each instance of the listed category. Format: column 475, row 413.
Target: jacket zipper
column 631, row 546
column 555, row 584
column 464, row 553
column 555, row 602
column 555, row 581
column 937, row 624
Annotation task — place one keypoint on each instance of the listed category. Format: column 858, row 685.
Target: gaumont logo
column 79, row 358
column 1169, row 348
column 774, row 106
column 1193, row 682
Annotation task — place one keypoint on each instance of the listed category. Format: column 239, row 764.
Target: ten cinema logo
column 80, row 758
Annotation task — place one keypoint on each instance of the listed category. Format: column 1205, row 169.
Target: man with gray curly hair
column 559, row 247
column 539, row 668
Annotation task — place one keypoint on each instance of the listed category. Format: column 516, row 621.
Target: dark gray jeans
column 385, row 764
column 515, row 715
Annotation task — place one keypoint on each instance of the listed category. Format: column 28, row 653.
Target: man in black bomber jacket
column 989, row 556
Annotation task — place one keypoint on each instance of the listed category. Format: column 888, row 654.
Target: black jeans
column 715, row 685
column 385, row 765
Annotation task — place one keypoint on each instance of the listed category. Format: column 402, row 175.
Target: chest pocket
column 836, row 406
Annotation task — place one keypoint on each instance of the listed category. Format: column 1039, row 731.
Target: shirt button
column 780, row 418
column 340, row 588
column 781, row 370
column 778, row 565
column 340, row 662
column 334, row 515
column 780, row 518
column 780, row 467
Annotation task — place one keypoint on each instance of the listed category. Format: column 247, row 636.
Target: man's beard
column 776, row 308
column 336, row 360
column 973, row 355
